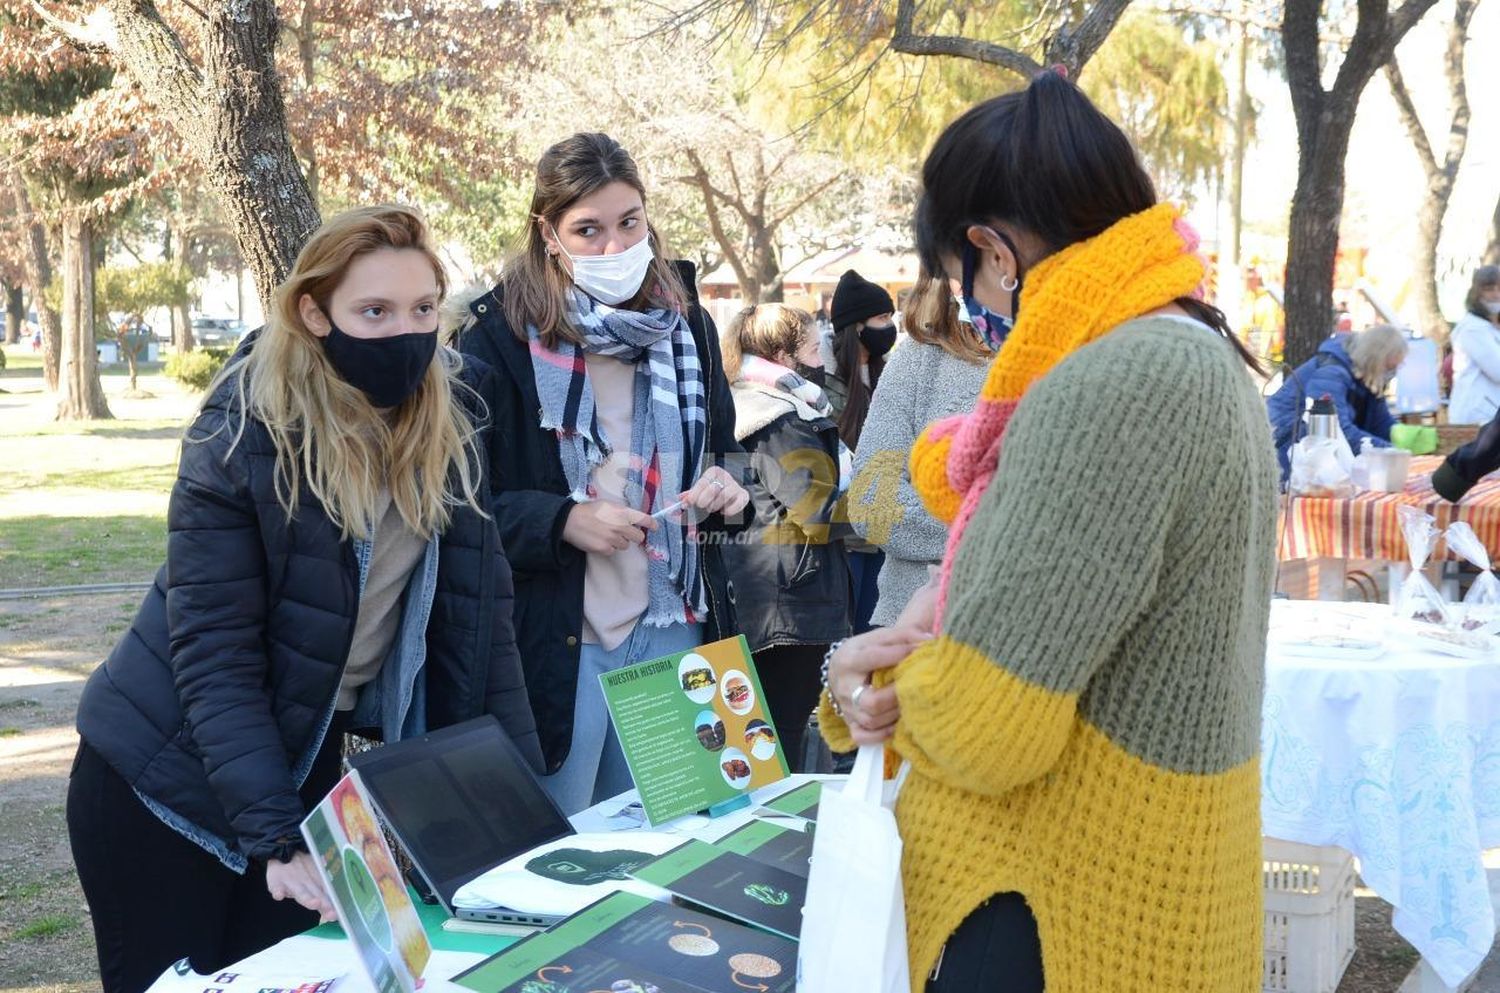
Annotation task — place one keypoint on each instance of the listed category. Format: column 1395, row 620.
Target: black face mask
column 877, row 340
column 816, row 375
column 388, row 370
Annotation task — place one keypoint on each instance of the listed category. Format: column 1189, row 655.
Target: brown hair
column 326, row 433
column 931, row 318
column 1486, row 277
column 534, row 283
column 767, row 330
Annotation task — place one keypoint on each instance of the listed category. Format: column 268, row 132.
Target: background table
column 1366, row 526
column 1396, row 759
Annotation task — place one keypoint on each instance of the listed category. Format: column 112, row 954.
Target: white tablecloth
column 1396, row 759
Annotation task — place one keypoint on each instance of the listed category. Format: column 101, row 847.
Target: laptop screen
column 461, row 801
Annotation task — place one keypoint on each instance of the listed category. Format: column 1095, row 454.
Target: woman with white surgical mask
column 1476, row 352
column 610, row 482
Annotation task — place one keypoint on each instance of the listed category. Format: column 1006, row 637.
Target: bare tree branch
column 904, row 39
column 96, row 34
column 811, row 195
column 1072, row 47
column 1407, row 110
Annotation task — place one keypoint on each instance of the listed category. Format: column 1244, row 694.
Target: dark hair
column 1486, row 277
column 856, row 394
column 535, row 282
column 1046, row 161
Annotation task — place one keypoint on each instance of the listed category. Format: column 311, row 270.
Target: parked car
column 217, row 332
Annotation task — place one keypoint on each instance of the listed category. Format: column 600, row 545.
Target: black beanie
column 857, row 299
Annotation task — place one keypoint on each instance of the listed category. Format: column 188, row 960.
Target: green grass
column 26, row 891
column 10, row 732
column 149, row 477
column 160, row 428
column 47, row 926
column 21, row 362
column 68, row 551
column 20, row 704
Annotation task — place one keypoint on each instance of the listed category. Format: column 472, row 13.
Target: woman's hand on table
column 870, row 713
column 300, row 880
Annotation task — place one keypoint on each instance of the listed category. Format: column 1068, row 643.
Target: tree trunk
column 1231, row 273
column 766, row 265
column 231, row 118
column 1311, row 251
column 1440, row 174
column 185, row 340
column 1492, row 253
column 307, row 49
column 82, row 394
column 1324, row 120
column 38, row 266
column 15, row 314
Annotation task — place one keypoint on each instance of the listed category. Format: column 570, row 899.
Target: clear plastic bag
column 1321, row 468
column 1481, row 606
column 1419, row 600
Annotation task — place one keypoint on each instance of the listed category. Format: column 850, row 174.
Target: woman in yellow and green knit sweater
column 1079, row 692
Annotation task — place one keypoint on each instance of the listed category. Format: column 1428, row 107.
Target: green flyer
column 694, row 728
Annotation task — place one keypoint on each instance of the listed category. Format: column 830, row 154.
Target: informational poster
column 782, row 847
column 800, row 802
column 374, row 907
column 626, row 943
column 731, row 884
column 694, row 728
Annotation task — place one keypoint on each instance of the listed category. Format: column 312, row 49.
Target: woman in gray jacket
column 937, row 372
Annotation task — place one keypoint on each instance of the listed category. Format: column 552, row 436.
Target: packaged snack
column 1481, row 606
column 1419, row 600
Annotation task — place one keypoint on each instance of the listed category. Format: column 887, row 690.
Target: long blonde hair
column 328, row 437
column 535, row 285
column 767, row 330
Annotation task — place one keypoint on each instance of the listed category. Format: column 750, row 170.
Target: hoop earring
column 1009, row 283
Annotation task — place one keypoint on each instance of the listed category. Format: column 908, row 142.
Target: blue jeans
column 595, row 768
column 864, row 575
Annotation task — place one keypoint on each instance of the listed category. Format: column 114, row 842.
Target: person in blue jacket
column 1351, row 369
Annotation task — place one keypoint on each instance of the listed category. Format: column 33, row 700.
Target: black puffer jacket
column 531, row 505
column 790, row 568
column 233, row 662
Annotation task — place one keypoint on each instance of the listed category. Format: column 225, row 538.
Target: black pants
column 995, row 950
column 792, row 679
column 156, row 897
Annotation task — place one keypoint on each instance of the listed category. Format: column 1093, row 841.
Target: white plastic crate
column 1309, row 907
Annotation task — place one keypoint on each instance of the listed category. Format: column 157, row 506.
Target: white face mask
column 1493, row 306
column 612, row 279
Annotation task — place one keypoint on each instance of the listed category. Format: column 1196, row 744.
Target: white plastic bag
column 1481, row 607
column 854, row 921
column 1418, row 600
column 1321, row 467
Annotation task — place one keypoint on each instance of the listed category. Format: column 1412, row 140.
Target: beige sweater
column 395, row 553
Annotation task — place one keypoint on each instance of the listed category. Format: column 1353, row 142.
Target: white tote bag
column 854, row 921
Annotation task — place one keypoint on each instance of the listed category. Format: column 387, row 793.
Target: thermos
column 1323, row 419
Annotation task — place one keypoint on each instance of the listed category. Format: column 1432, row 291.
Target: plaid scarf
column 773, row 375
column 668, row 435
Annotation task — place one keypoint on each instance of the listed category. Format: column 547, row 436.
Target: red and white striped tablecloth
column 1366, row 526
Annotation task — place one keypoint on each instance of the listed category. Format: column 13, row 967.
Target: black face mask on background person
column 814, row 374
column 387, row 370
column 877, row 340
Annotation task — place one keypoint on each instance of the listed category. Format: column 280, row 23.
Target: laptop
column 462, row 801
